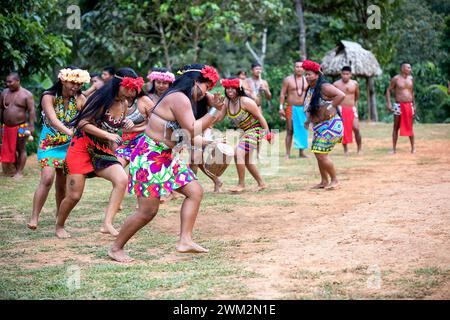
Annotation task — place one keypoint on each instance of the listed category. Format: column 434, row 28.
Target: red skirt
column 348, row 116
column 406, row 119
column 87, row 154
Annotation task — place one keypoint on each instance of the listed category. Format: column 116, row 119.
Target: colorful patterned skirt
column 250, row 138
column 153, row 170
column 87, row 154
column 327, row 134
column 52, row 149
column 130, row 141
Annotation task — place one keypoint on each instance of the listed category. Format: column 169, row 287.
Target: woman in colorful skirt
column 247, row 117
column 60, row 105
column 155, row 168
column 321, row 102
column 91, row 151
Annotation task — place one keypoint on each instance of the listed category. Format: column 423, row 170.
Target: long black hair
column 101, row 100
column 156, row 69
column 185, row 82
column 56, row 88
column 315, row 99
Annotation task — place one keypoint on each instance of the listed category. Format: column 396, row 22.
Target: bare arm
column 1, row 109
column 388, row 93
column 283, row 92
column 31, row 112
column 222, row 113
column 267, row 91
column 334, row 93
column 251, row 107
column 356, row 94
column 89, row 91
column 49, row 111
column 217, row 101
column 144, row 105
column 182, row 111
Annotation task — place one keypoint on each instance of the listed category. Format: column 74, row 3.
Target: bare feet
column 217, row 185
column 109, row 228
column 261, row 187
column 18, row 176
column 166, row 198
column 305, row 156
column 33, row 223
column 120, row 256
column 238, row 189
column 333, row 185
column 302, row 154
column 62, row 233
column 321, row 185
column 190, row 247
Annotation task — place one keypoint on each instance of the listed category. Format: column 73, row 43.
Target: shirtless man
column 255, row 87
column 17, row 115
column 294, row 86
column 349, row 108
column 404, row 106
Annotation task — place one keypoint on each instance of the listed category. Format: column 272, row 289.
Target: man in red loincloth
column 349, row 108
column 404, row 106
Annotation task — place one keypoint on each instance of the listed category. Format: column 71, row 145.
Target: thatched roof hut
column 347, row 53
column 363, row 64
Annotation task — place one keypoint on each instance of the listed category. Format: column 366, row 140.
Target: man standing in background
column 17, row 117
column 404, row 106
column 294, row 87
column 349, row 108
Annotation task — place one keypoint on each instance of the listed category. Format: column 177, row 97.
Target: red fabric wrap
column 348, row 115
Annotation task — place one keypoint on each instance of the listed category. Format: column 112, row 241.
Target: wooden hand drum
column 218, row 159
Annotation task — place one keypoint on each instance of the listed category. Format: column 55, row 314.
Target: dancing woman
column 155, row 171
column 321, row 102
column 246, row 116
column 91, row 152
column 60, row 105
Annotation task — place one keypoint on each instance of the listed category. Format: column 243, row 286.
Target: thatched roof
column 347, row 53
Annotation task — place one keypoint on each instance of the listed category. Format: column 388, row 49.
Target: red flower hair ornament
column 207, row 72
column 211, row 74
column 132, row 83
column 231, row 83
column 311, row 65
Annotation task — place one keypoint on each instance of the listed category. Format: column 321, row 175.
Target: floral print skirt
column 154, row 172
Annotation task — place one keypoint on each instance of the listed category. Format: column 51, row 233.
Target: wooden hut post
column 371, row 99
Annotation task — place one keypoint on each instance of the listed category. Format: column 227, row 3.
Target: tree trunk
column 301, row 26
column 263, row 47
column 196, row 44
column 259, row 59
column 165, row 45
column 371, row 99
